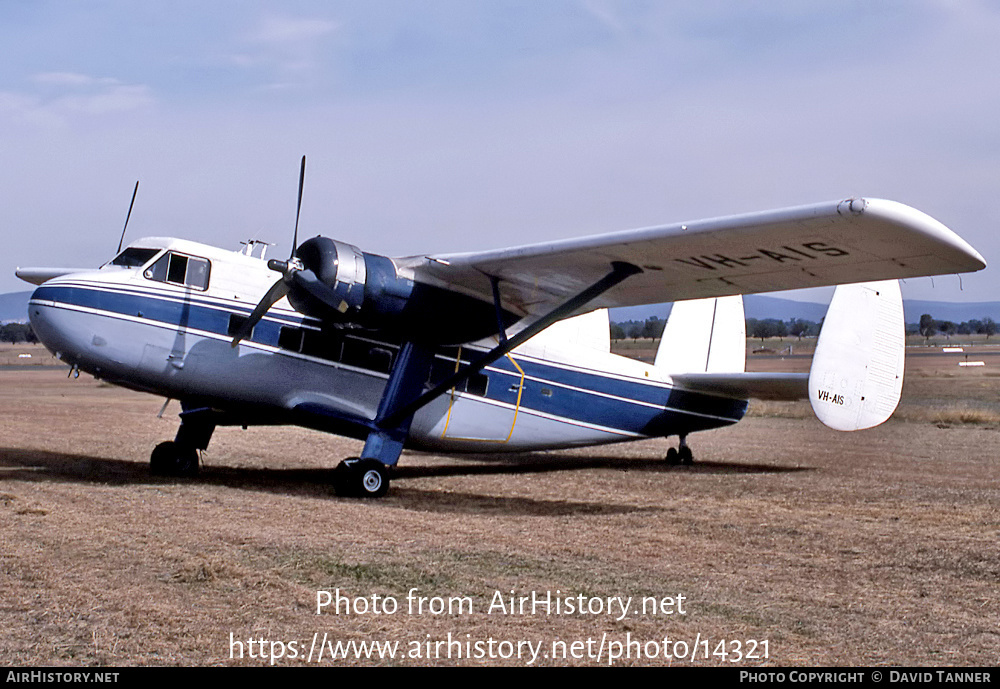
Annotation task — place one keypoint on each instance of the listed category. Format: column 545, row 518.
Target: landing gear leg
column 684, row 452
column 681, row 455
column 179, row 457
column 368, row 476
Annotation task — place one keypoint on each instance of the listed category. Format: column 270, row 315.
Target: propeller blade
column 122, row 240
column 278, row 290
column 307, row 281
column 288, row 270
column 298, row 209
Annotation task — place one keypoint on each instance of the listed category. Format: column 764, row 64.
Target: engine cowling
column 338, row 267
column 342, row 285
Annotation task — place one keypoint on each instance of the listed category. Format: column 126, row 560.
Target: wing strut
column 501, row 329
column 397, row 407
column 620, row 271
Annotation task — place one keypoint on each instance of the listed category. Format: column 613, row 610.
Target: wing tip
column 968, row 259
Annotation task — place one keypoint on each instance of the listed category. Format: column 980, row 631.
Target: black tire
column 343, row 478
column 672, row 458
column 361, row 478
column 161, row 459
column 685, row 455
column 171, row 459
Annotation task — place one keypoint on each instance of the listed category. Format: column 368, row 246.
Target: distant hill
column 14, row 306
column 754, row 305
column 946, row 311
column 761, row 307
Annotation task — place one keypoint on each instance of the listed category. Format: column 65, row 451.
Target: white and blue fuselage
column 162, row 322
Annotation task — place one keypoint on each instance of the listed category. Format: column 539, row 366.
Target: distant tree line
column 17, row 333
column 764, row 328
column 929, row 326
column 651, row 328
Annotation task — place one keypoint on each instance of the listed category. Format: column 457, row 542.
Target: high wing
column 808, row 246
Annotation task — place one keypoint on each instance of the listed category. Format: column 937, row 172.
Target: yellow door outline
column 517, row 405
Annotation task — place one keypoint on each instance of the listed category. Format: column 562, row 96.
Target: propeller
column 288, row 269
column 134, row 192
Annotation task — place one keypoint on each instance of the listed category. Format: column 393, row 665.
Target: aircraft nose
column 47, row 321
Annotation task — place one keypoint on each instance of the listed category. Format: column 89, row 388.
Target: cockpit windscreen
column 134, row 257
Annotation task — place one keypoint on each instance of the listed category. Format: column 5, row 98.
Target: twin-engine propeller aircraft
column 504, row 350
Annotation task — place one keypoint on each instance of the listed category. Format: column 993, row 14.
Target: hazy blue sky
column 461, row 125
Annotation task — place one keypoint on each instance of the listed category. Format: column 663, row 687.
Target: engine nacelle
column 341, row 268
column 341, row 284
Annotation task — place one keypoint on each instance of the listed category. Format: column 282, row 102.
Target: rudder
column 857, row 371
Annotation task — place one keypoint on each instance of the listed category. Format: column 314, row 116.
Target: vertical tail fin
column 704, row 336
column 857, row 371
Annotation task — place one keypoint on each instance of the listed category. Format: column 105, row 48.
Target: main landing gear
column 360, row 477
column 680, row 455
column 357, row 477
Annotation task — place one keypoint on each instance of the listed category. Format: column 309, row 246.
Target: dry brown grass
column 13, row 355
column 868, row 548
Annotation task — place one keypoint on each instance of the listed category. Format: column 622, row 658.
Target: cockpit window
column 134, row 257
column 178, row 269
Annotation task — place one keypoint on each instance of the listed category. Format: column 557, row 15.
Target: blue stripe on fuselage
column 593, row 397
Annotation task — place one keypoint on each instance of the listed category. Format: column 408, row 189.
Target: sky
column 457, row 125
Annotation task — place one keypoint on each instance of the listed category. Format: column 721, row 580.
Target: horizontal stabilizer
column 857, row 371
column 761, row 386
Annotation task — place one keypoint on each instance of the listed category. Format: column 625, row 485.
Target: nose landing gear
column 174, row 459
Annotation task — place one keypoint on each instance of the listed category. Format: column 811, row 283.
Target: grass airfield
column 869, row 548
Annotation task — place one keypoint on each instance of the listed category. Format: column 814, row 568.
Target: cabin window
column 364, row 355
column 477, row 384
column 327, row 345
column 379, row 359
column 178, row 269
column 134, row 257
column 332, row 345
column 442, row 368
column 236, row 323
column 290, row 338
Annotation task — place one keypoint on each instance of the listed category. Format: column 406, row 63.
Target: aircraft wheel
column 672, row 457
column 361, row 478
column 685, row 456
column 373, row 478
column 171, row 459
